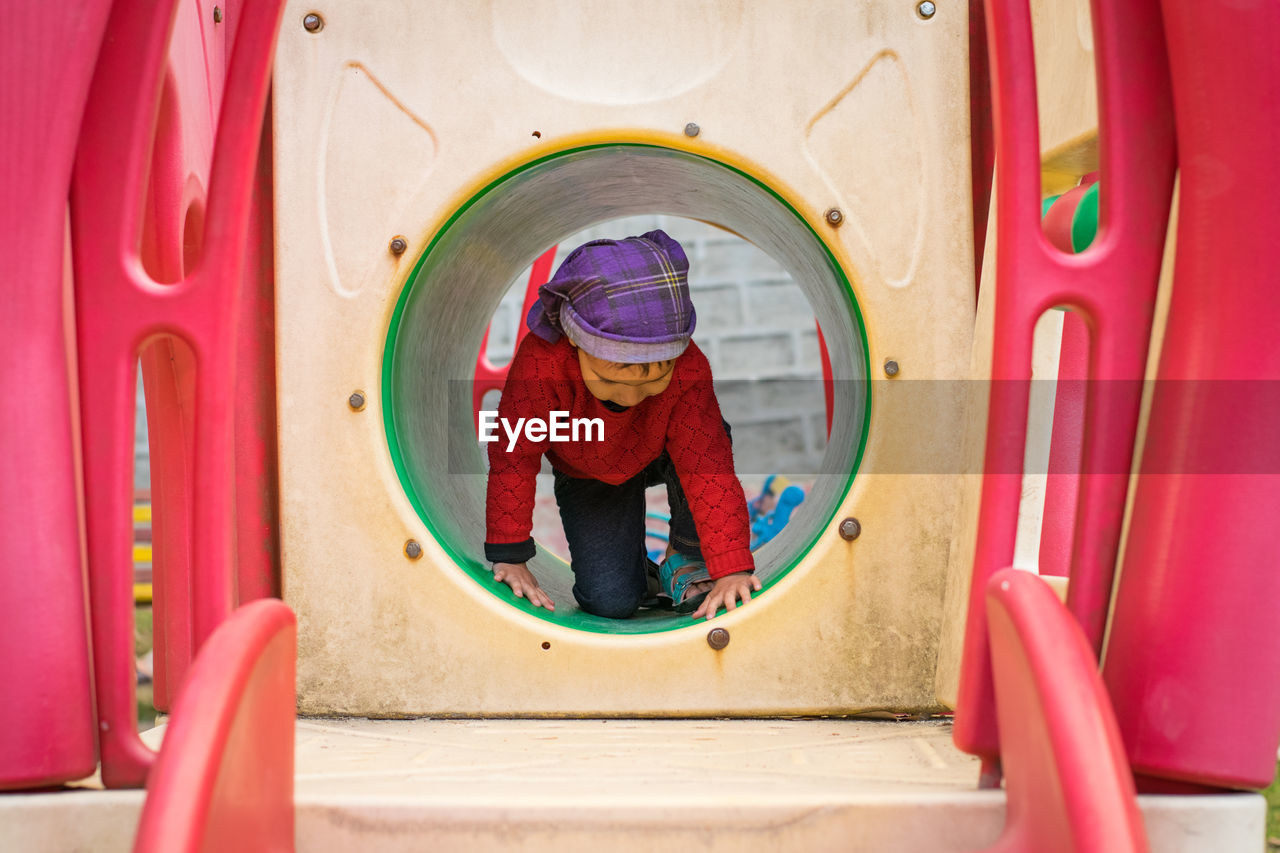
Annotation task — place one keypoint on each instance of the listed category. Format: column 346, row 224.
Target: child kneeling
column 611, row 340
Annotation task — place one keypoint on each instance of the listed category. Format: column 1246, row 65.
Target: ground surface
column 675, row 764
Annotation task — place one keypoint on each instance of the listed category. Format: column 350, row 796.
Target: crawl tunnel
column 446, row 303
column 423, row 159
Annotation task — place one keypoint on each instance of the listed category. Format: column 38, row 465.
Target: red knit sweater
column 684, row 420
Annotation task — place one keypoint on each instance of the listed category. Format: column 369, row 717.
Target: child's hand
column 727, row 592
column 523, row 584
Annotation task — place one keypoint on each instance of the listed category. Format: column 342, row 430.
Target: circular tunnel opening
column 461, row 278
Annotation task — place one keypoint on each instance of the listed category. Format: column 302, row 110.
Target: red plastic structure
column 224, row 777
column 171, row 245
column 120, row 308
column 1192, row 662
column 1062, row 488
column 828, row 384
column 46, row 60
column 172, row 234
column 1069, row 789
column 1112, row 285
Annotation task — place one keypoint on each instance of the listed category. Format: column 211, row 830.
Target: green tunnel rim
column 475, row 568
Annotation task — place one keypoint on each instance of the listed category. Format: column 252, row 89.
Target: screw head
column 413, row 549
column 398, row 245
column 692, row 129
column 312, row 23
column 834, row 217
column 850, row 529
column 926, row 9
column 890, row 367
column 717, row 638
column 217, row 14
column 356, row 401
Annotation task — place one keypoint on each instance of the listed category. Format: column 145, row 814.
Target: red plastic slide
column 1068, row 785
column 224, row 777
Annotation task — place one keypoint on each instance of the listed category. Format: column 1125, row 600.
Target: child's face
column 624, row 385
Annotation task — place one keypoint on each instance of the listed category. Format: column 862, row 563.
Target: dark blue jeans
column 604, row 526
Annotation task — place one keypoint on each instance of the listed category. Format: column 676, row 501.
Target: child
column 611, row 340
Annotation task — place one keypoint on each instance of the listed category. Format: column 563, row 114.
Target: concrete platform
column 624, row 785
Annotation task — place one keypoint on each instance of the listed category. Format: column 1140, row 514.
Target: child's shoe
column 677, row 573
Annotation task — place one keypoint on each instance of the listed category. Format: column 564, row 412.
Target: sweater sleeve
column 703, row 458
column 513, row 468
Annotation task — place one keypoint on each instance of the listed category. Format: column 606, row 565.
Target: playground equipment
column 51, row 738
column 770, row 510
column 1041, row 663
column 768, row 513
column 1114, row 285
column 1209, row 459
column 224, row 777
column 476, row 195
column 1188, row 638
column 126, row 308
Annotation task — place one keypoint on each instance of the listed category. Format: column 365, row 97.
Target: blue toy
column 768, row 512
column 771, row 509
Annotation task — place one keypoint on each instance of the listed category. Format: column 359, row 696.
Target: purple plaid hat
column 620, row 300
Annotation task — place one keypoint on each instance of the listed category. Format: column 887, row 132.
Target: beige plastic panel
column 1066, row 91
column 395, row 113
column 964, row 538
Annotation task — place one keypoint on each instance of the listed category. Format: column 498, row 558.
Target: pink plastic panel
column 224, row 777
column 172, row 239
column 1112, row 285
column 168, row 368
column 46, row 713
column 1193, row 664
column 1062, row 487
column 1069, row 788
column 120, row 308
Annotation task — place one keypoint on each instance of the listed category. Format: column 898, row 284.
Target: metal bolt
column 692, row 129
column 850, row 529
column 545, row 645
column 356, row 401
column 412, row 549
column 217, row 14
column 926, row 10
column 834, row 217
column 718, row 638
column 890, row 367
column 312, row 23
column 398, row 245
